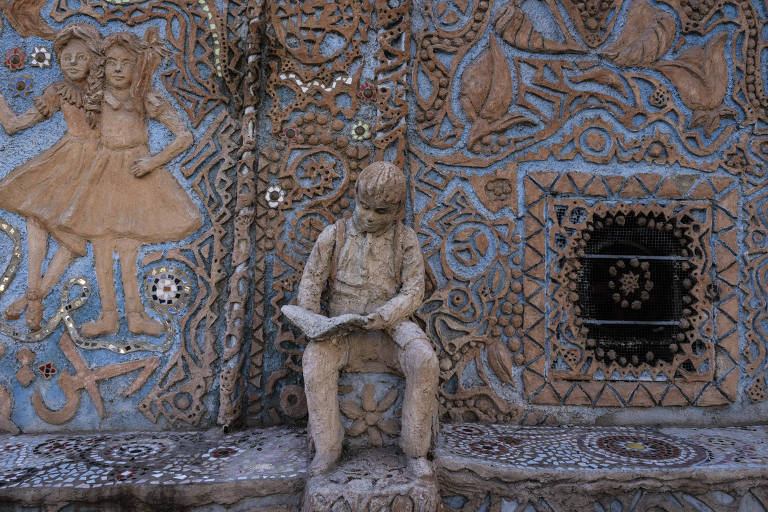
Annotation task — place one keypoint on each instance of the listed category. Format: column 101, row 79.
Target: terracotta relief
column 595, row 295
column 608, row 96
column 101, row 187
column 72, row 190
column 667, row 92
column 32, row 189
column 498, row 92
column 334, row 102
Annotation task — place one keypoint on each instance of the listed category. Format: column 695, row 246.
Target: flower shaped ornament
column 15, row 59
column 360, row 131
column 40, row 57
column 370, row 417
column 367, row 93
column 20, row 86
column 274, row 196
column 291, row 134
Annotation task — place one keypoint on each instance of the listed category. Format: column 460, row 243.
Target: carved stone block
column 372, row 481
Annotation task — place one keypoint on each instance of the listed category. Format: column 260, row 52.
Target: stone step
column 480, row 468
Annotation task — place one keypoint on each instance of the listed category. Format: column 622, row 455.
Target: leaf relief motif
column 648, row 34
column 513, row 25
column 486, row 85
column 486, row 94
column 700, row 75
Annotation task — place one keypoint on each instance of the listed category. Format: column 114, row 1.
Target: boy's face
column 372, row 216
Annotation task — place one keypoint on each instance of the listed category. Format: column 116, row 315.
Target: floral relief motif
column 369, row 415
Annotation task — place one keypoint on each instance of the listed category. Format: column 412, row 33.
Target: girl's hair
column 150, row 53
column 94, row 86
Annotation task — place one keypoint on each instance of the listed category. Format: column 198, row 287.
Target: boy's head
column 380, row 196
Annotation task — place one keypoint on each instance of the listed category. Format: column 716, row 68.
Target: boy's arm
column 316, row 271
column 411, row 293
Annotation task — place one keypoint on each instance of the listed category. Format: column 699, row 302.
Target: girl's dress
column 43, row 187
column 110, row 202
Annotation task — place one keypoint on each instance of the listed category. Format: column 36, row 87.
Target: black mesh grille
column 634, row 278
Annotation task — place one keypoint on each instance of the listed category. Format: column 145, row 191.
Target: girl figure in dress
column 41, row 189
column 127, row 197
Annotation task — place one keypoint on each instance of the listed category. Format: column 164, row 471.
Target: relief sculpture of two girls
column 99, row 183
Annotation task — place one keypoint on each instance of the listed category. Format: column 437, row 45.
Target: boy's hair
column 382, row 182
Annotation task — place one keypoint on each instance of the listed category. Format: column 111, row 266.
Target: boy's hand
column 373, row 322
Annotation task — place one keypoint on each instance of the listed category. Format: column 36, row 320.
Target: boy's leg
column 321, row 363
column 420, row 368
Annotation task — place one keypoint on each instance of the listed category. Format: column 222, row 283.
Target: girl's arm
column 13, row 123
column 162, row 111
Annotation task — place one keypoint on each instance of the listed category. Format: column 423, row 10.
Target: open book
column 318, row 327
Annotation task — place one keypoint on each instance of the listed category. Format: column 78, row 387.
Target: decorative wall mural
column 521, row 124
column 120, row 233
column 566, row 102
column 530, row 123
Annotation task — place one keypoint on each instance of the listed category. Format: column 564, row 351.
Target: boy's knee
column 319, row 362
column 420, row 360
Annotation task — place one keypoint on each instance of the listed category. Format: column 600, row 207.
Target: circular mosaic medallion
column 60, row 447
column 221, row 452
column 511, row 440
column 489, row 447
column 642, row 448
column 467, row 430
column 131, row 452
column 168, row 289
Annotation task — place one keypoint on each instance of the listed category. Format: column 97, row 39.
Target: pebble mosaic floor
column 612, row 448
column 153, row 459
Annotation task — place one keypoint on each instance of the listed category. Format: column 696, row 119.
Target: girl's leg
column 37, row 246
column 108, row 319
column 59, row 263
column 139, row 322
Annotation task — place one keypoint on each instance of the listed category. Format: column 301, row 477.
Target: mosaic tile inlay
column 614, row 448
column 171, row 458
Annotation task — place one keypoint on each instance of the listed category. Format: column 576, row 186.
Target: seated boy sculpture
column 370, row 265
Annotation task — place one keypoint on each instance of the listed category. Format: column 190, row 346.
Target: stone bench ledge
column 264, row 470
column 508, row 459
column 155, row 468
